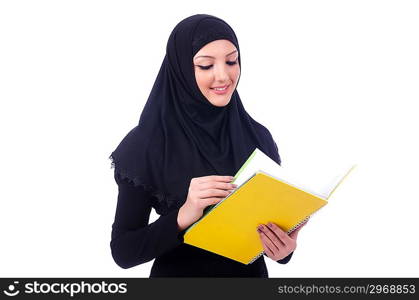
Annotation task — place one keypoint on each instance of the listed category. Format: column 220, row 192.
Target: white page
column 307, row 178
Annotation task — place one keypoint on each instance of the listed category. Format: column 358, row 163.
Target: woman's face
column 217, row 71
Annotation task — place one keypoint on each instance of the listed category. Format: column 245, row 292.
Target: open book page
column 319, row 180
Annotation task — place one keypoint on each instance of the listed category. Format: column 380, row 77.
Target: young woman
column 192, row 137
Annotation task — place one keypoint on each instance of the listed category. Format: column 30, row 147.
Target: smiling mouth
column 220, row 88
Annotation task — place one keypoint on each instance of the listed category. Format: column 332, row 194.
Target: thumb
column 294, row 234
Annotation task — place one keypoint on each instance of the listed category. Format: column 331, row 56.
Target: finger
column 273, row 242
column 213, row 193
column 266, row 249
column 216, row 185
column 211, row 201
column 279, row 233
column 276, row 250
column 272, row 235
column 216, row 178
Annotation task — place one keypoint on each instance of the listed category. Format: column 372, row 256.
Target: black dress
column 134, row 242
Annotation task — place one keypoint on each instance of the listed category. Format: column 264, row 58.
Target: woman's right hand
column 203, row 191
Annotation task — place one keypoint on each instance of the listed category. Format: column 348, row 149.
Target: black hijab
column 180, row 134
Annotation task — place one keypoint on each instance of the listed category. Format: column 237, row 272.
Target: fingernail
column 270, row 224
column 260, row 227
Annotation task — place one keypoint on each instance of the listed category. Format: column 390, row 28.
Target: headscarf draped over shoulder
column 180, row 134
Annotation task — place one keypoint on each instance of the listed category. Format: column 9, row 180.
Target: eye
column 230, row 63
column 204, row 67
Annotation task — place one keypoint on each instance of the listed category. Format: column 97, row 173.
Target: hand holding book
column 203, row 192
column 266, row 192
column 277, row 244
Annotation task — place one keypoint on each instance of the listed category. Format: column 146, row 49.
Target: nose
column 220, row 73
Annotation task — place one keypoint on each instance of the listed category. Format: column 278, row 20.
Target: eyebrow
column 207, row 56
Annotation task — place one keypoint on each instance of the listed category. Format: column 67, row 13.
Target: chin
column 219, row 102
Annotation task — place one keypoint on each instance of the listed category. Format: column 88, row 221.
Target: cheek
column 202, row 79
column 235, row 74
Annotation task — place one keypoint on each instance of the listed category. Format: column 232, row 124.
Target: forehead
column 216, row 48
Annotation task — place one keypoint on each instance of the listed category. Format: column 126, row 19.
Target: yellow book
column 229, row 227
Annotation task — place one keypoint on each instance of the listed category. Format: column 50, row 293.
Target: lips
column 219, row 87
column 219, row 90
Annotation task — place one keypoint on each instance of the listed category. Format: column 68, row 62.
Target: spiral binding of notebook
column 256, row 257
column 299, row 224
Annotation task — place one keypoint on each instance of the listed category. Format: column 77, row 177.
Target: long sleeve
column 285, row 260
column 134, row 241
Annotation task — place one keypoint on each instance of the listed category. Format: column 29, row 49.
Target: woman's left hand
column 276, row 242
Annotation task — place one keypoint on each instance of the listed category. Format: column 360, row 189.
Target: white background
column 332, row 80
